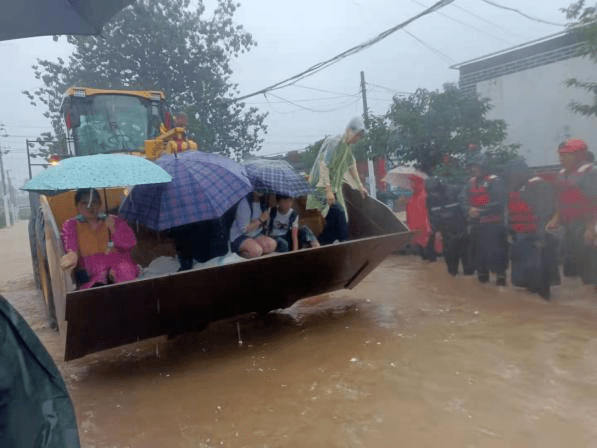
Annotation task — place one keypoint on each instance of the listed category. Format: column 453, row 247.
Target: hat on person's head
column 356, row 125
column 573, row 145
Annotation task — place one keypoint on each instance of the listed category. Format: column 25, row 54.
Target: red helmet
column 573, row 145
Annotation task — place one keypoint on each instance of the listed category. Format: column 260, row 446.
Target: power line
column 388, row 89
column 322, row 65
column 477, row 16
column 444, row 56
column 507, row 8
column 326, row 91
column 311, row 109
column 25, row 127
column 460, row 22
column 327, row 98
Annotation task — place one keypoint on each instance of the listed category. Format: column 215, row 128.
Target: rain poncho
column 94, row 253
column 332, row 167
column 417, row 214
column 35, row 408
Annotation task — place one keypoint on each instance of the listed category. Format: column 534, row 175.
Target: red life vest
column 573, row 204
column 521, row 216
column 478, row 197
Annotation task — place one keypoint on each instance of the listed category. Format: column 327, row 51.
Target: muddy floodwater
column 409, row 358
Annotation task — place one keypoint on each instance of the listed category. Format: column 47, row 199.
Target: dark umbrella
column 36, row 408
column 204, row 186
column 29, row 18
column 276, row 176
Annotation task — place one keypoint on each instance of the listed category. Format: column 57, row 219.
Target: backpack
column 273, row 214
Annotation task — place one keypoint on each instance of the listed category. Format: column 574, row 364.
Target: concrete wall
column 534, row 104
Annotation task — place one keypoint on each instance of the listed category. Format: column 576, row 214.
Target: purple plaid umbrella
column 276, row 176
column 204, row 186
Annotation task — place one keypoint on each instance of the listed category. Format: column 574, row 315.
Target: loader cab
column 101, row 121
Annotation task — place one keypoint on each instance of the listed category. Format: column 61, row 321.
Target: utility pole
column 27, row 143
column 12, row 197
column 372, row 187
column 4, row 193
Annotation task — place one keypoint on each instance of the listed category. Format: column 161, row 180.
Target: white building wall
column 534, row 105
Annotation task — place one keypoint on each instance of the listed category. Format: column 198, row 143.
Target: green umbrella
column 97, row 171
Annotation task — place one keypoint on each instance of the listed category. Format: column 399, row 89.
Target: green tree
column 583, row 21
column 171, row 46
column 439, row 130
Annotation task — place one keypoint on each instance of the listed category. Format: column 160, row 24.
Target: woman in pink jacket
column 99, row 245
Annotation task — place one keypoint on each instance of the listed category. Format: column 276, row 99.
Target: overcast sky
column 293, row 36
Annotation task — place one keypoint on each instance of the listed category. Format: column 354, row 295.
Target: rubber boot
column 500, row 280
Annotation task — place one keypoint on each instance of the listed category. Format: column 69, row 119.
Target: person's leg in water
column 429, row 253
column 469, row 251
column 480, row 253
column 452, row 251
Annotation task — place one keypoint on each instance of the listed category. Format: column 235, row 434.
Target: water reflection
column 411, row 357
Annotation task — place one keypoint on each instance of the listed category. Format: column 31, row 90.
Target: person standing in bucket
column 576, row 185
column 334, row 165
column 484, row 198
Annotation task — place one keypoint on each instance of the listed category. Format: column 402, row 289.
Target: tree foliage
column 170, row 46
column 438, row 131
column 583, row 21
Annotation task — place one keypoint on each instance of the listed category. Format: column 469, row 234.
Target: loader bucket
column 110, row 316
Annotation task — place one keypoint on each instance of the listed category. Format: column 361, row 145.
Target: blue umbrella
column 204, row 186
column 97, row 171
column 276, row 176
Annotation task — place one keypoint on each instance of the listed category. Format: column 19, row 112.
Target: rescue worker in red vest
column 534, row 252
column 484, row 200
column 577, row 211
column 447, row 217
column 180, row 143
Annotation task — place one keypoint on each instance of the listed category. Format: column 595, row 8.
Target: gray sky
column 293, row 36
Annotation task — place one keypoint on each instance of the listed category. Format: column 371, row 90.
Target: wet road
column 411, row 357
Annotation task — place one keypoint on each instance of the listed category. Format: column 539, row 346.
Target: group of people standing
column 532, row 222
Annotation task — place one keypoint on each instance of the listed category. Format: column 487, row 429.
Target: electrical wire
column 479, row 17
column 444, row 56
column 507, row 8
column 388, row 89
column 468, row 25
column 311, row 109
column 325, row 91
column 324, row 64
column 323, row 98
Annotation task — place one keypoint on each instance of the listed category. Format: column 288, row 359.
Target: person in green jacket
column 334, row 165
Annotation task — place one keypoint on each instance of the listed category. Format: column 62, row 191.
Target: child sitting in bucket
column 246, row 233
column 98, row 245
column 284, row 227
